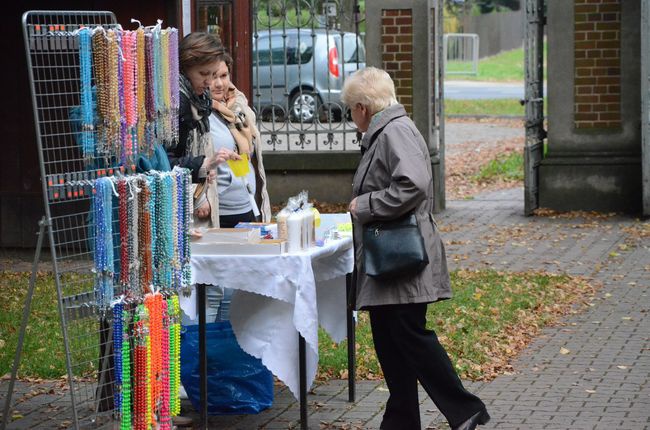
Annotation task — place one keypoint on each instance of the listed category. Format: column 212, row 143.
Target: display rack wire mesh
column 52, row 50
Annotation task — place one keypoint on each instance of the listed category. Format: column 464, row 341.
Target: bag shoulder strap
column 372, row 141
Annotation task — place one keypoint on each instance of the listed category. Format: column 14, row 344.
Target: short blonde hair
column 371, row 87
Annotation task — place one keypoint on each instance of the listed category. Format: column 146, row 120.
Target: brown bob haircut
column 198, row 49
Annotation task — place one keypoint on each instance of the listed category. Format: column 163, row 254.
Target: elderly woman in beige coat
column 394, row 178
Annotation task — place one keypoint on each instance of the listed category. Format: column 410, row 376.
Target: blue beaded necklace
column 104, row 259
column 85, row 72
column 118, row 334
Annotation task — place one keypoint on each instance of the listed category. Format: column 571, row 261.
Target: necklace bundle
column 114, row 120
column 129, row 95
column 118, row 334
column 173, row 308
column 144, row 236
column 87, row 117
column 125, row 339
column 136, row 77
column 153, row 226
column 141, row 83
column 153, row 303
column 165, row 417
column 103, row 249
column 140, row 404
column 174, row 81
column 124, row 232
column 147, row 361
column 150, row 100
column 152, row 229
column 100, row 58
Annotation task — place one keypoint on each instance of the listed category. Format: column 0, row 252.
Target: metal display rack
column 67, row 175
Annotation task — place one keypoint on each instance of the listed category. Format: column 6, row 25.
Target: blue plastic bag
column 238, row 383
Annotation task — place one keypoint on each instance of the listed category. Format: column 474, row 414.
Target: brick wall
column 397, row 52
column 597, row 78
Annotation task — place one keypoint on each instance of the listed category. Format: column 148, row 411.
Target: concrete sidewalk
column 602, row 383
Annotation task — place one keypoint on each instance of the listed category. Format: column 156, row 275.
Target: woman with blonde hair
column 232, row 129
column 394, row 180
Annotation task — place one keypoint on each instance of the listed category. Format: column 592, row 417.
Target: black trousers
column 229, row 221
column 409, row 353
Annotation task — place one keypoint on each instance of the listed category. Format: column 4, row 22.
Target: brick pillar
column 597, row 77
column 397, row 52
column 393, row 27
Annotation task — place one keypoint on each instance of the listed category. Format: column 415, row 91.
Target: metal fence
column 303, row 50
column 461, row 53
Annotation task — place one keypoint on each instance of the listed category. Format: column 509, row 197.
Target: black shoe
column 481, row 417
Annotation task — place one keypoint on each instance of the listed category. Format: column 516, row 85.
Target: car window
column 301, row 49
column 351, row 51
column 263, row 55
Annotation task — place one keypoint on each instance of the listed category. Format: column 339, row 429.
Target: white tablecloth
column 279, row 296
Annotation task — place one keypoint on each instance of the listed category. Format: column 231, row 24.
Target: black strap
column 371, row 142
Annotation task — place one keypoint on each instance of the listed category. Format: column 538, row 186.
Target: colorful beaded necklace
column 103, row 249
column 87, row 120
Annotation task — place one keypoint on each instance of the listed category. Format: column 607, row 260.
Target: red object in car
column 334, row 61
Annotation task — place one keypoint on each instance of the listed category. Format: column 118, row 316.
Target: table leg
column 203, row 358
column 303, row 382
column 351, row 325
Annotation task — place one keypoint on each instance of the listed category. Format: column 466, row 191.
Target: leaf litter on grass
column 491, row 319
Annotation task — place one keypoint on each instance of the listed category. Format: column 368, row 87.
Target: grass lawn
column 508, row 167
column 492, row 107
column 490, row 318
column 507, row 66
column 43, row 352
column 510, row 107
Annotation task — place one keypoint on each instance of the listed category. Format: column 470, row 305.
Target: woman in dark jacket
column 199, row 55
column 394, row 178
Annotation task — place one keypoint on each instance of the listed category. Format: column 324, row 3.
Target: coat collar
column 380, row 120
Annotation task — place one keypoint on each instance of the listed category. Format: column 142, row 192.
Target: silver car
column 301, row 72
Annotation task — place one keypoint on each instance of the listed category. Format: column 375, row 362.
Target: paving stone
column 585, row 389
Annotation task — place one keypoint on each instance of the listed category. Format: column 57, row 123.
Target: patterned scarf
column 202, row 104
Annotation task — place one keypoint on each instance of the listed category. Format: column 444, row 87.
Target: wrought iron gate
column 534, row 102
column 645, row 113
column 302, row 52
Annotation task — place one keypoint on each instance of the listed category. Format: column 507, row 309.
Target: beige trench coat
column 399, row 180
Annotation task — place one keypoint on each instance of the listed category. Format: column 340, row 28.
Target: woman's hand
column 353, row 207
column 203, row 211
column 226, row 154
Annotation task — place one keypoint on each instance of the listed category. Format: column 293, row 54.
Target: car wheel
column 304, row 106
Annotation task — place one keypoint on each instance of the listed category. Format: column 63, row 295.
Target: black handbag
column 392, row 248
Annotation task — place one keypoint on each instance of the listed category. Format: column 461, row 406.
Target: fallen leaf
column 590, row 391
column 564, row 351
column 622, row 367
